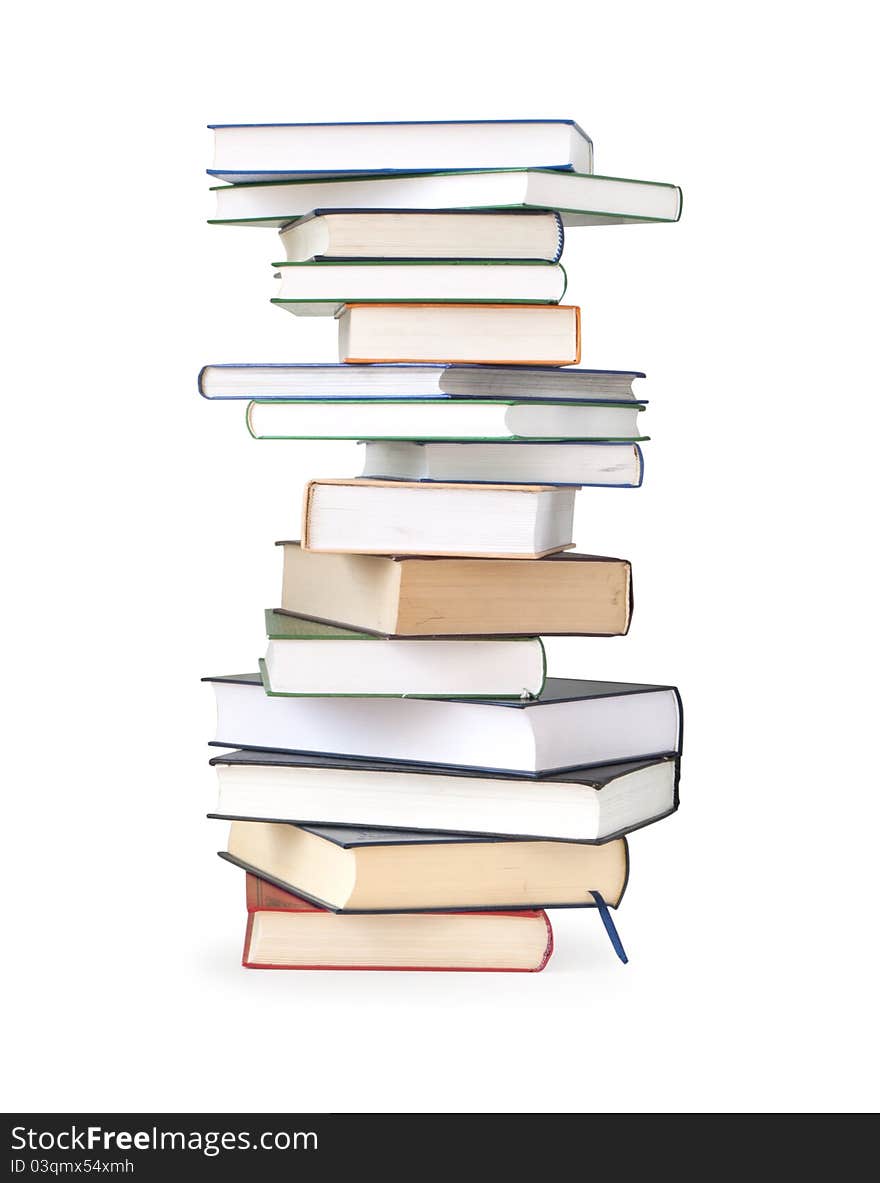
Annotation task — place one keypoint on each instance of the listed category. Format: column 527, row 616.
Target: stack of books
column 407, row 787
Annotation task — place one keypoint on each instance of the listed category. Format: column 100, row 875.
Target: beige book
column 424, row 597
column 375, row 870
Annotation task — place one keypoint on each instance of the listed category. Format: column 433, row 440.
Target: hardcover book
column 245, row 152
column 567, row 594
column 323, row 289
column 580, row 200
column 459, row 420
column 500, row 334
column 518, row 462
column 307, row 380
column 409, row 517
column 405, row 234
column 372, row 870
column 309, row 659
column 572, row 724
column 285, row 931
column 585, row 805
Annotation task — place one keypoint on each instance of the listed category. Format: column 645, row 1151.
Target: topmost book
column 292, row 151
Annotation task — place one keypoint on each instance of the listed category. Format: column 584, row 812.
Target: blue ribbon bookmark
column 613, row 934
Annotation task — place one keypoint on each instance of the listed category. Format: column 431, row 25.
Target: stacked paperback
column 407, row 787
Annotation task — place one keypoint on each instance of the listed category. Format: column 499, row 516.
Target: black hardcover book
column 377, row 871
column 572, row 723
column 353, row 799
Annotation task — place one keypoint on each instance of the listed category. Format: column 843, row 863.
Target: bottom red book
column 287, row 932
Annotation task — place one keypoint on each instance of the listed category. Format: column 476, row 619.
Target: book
column 405, row 381
column 310, row 659
column 251, row 151
column 568, row 594
column 587, row 805
column 323, row 289
column 523, row 462
column 374, row 870
column 408, row 517
column 572, row 724
column 443, row 419
column 512, row 334
column 580, row 200
column 285, row 931
column 405, row 234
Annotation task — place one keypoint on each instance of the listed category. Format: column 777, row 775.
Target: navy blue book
column 288, row 151
column 319, row 380
column 572, row 724
column 520, row 462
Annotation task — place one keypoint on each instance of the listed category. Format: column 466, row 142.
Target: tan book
column 496, row 334
column 361, row 869
column 362, row 516
column 427, row 597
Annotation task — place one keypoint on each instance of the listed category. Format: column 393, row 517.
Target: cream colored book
column 399, row 234
column 494, row 334
column 368, row 870
column 403, row 517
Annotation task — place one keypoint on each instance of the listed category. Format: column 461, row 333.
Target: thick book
column 309, row 659
column 586, row 805
column 572, row 724
column 444, row 419
column 407, row 234
column 521, row 462
column 564, row 594
column 246, row 152
column 497, row 334
column 307, row 380
column 323, row 289
column 374, row 870
column 410, row 517
column 285, row 931
column 580, row 200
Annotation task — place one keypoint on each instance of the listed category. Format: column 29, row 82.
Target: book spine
column 305, row 542
column 548, row 950
column 560, row 237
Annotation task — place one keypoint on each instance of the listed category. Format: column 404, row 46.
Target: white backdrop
column 140, row 523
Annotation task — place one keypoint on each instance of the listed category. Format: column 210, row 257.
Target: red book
column 287, row 932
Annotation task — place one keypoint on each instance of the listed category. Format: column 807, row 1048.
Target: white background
column 139, row 556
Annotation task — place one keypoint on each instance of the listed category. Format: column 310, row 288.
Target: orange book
column 491, row 334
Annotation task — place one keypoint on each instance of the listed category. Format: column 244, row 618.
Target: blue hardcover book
column 520, row 462
column 289, row 151
column 310, row 380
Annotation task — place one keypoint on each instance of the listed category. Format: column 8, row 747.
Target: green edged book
column 322, row 289
column 486, row 420
column 311, row 659
column 582, row 199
